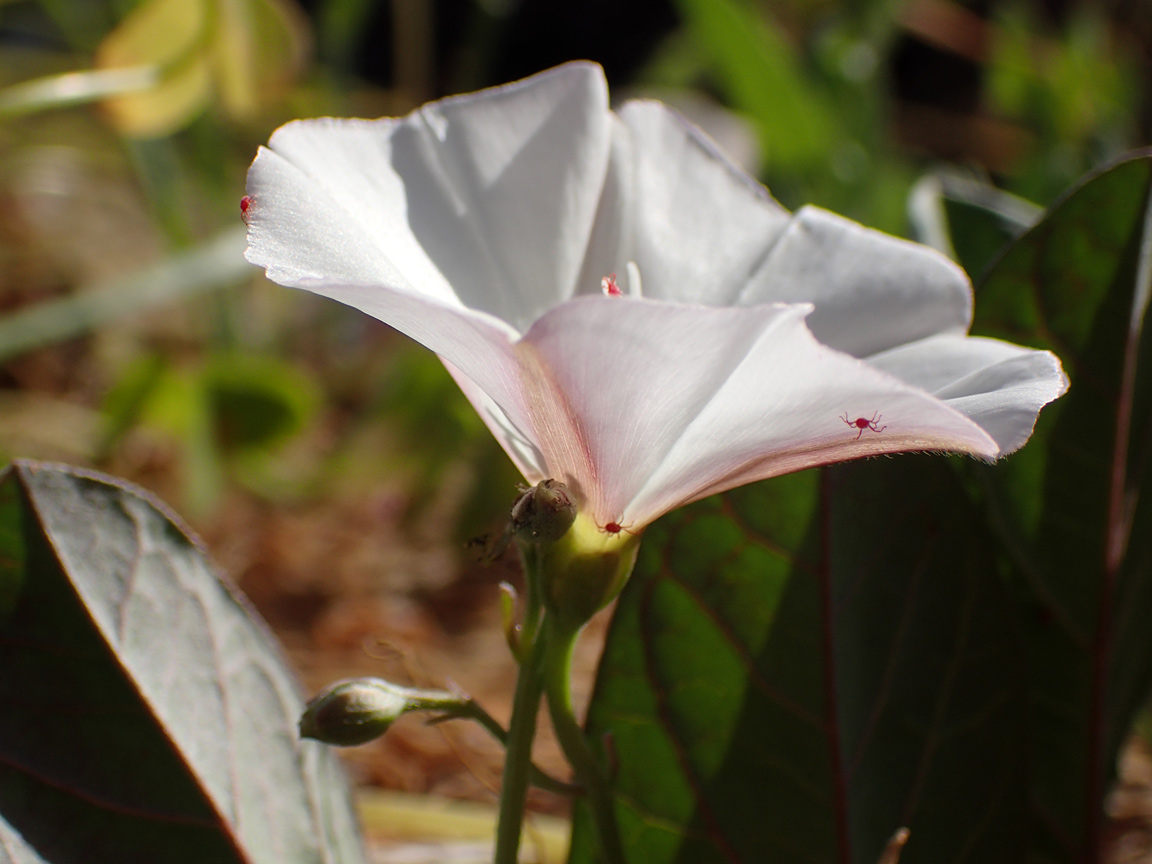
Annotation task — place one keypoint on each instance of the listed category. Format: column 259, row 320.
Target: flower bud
column 353, row 712
column 544, row 513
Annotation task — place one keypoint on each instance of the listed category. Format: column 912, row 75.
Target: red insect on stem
column 862, row 423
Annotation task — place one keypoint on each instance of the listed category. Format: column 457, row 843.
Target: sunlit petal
column 696, row 225
column 998, row 385
column 302, row 235
column 641, row 407
column 443, row 194
column 871, row 291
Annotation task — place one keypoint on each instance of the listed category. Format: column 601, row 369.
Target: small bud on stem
column 543, row 513
column 359, row 710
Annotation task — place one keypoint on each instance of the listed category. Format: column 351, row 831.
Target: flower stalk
column 522, row 725
column 571, row 569
column 590, row 776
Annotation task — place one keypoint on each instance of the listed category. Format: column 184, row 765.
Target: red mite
column 608, row 286
column 862, row 423
column 245, row 207
column 616, row 528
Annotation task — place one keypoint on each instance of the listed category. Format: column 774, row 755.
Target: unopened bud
column 354, row 712
column 544, row 513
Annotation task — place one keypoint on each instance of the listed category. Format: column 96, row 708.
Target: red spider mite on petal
column 616, row 528
column 245, row 207
column 862, row 423
column 611, row 289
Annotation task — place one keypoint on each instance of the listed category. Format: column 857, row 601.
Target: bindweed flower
column 629, row 312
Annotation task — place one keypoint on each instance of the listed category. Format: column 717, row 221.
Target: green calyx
column 585, row 569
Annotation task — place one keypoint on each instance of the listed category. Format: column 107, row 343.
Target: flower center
column 611, row 287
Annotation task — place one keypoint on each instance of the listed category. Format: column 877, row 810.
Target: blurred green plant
column 233, row 409
column 168, row 60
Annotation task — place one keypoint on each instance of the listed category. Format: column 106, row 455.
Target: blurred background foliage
column 126, row 128
column 328, row 460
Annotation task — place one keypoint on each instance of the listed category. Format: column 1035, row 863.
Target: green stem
column 471, row 710
column 557, row 674
column 531, row 556
column 525, row 707
column 518, row 756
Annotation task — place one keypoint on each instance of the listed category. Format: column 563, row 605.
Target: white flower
column 761, row 342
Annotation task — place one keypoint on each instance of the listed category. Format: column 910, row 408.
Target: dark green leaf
column 978, row 235
column 147, row 716
column 801, row 667
column 1068, row 504
column 971, row 221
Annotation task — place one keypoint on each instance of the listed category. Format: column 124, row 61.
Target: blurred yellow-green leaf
column 257, row 44
column 170, row 34
column 235, row 49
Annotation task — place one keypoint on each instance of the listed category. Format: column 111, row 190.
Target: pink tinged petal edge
column 997, row 384
column 871, row 291
column 644, row 406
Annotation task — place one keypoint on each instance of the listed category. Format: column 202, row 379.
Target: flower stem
column 518, row 758
column 531, row 557
column 472, row 710
column 557, row 674
column 525, row 707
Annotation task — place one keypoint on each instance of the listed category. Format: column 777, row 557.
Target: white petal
column 695, row 224
column 645, row 406
column 998, row 385
column 488, row 198
column 518, row 441
column 300, row 234
column 872, row 291
column 301, row 228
